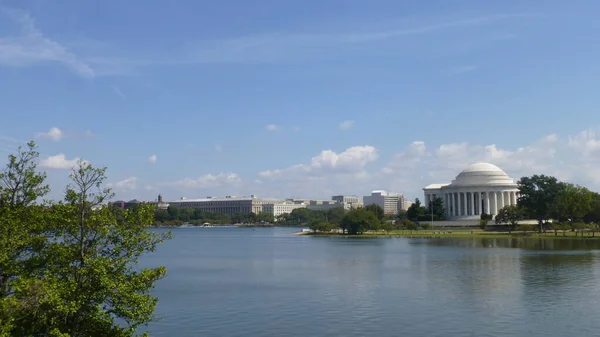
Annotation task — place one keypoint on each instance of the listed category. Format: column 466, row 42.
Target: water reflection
column 522, row 243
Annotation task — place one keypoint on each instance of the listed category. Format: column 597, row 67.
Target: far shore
column 462, row 233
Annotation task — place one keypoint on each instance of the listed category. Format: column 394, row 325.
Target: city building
column 480, row 188
column 392, row 203
column 352, row 200
column 280, row 208
column 325, row 205
column 229, row 205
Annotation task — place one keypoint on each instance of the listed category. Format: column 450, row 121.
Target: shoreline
column 463, row 234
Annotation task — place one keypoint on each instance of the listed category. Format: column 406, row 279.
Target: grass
column 463, row 233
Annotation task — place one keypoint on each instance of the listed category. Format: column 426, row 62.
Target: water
column 269, row 282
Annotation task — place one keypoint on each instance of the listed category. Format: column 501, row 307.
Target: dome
column 482, row 174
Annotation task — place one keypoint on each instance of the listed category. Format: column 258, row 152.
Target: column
column 458, row 209
column 465, row 208
column 472, row 203
column 501, row 200
column 453, row 204
column 487, row 202
column 494, row 203
column 478, row 207
column 513, row 196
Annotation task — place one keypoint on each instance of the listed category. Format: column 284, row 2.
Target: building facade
column 278, row 209
column 353, row 201
column 480, row 188
column 391, row 203
column 229, row 205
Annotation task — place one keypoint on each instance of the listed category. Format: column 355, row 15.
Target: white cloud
column 54, row 134
column 271, row 127
column 210, row 181
column 152, row 159
column 346, row 125
column 31, row 47
column 59, row 161
column 128, row 184
column 359, row 169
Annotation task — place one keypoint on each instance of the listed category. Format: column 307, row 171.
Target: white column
column 478, row 207
column 459, row 209
column 501, row 200
column 494, row 203
column 513, row 196
column 453, row 201
column 472, row 203
column 487, row 202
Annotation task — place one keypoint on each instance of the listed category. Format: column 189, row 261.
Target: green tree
column 416, row 211
column 377, row 210
column 484, row 219
column 90, row 281
column 335, row 215
column 510, row 214
column 572, row 203
column 359, row 220
column 321, row 226
column 437, row 207
column 22, row 231
column 538, row 195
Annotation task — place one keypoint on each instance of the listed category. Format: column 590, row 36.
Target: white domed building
column 480, row 188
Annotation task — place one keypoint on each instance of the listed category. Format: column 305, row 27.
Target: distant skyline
column 297, row 98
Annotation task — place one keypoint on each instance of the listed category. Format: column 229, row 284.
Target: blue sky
column 301, row 98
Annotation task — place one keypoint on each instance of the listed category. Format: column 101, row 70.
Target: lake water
column 269, row 282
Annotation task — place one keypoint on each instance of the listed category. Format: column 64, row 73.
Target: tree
column 90, row 285
column 484, row 218
column 320, row 226
column 416, row 211
column 510, row 214
column 335, row 215
column 377, row 210
column 437, row 206
column 22, row 232
column 572, row 203
column 538, row 195
column 359, row 220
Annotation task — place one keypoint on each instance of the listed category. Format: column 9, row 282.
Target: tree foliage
column 358, row 221
column 510, row 214
column 70, row 268
column 377, row 210
column 572, row 203
column 416, row 211
column 538, row 194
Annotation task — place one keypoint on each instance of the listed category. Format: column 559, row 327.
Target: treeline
column 554, row 204
column 69, row 268
column 175, row 216
column 356, row 221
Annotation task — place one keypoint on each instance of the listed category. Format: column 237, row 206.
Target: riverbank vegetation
column 560, row 210
column 68, row 268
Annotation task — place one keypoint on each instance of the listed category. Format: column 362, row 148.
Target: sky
column 299, row 98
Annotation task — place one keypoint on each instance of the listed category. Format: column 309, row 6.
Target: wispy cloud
column 118, row 91
column 271, row 127
column 271, row 47
column 54, row 134
column 346, row 125
column 30, row 46
column 462, row 69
